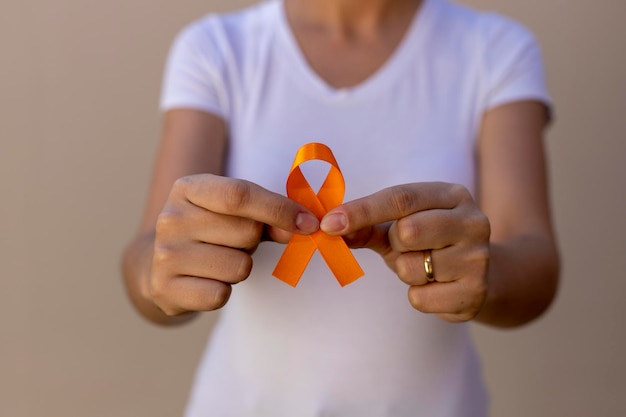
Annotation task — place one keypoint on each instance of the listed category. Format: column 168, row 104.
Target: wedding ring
column 428, row 266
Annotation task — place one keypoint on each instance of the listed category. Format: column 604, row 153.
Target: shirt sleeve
column 193, row 76
column 514, row 65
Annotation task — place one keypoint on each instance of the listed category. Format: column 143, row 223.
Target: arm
column 513, row 193
column 199, row 229
column 495, row 259
column 192, row 142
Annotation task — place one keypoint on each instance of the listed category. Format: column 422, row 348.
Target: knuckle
column 167, row 221
column 236, row 195
column 403, row 200
column 407, row 232
column 250, row 234
column 360, row 214
column 282, row 209
column 478, row 224
column 182, row 185
column 460, row 192
column 278, row 210
column 478, row 219
column 163, row 255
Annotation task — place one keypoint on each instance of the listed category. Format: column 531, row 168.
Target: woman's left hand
column 402, row 222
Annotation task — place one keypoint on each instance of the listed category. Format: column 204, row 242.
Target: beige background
column 79, row 81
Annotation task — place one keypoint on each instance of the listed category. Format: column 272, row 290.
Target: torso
column 319, row 349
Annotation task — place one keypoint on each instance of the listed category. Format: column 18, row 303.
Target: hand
column 205, row 236
column 402, row 221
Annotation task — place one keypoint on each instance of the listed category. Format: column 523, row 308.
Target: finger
column 184, row 294
column 373, row 237
column 436, row 229
column 391, row 204
column 203, row 261
column 276, row 234
column 411, row 268
column 429, row 229
column 241, row 198
column 453, row 263
column 233, row 232
column 202, row 225
column 459, row 300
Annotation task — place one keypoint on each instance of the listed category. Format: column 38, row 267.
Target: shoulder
column 478, row 28
column 494, row 46
column 222, row 32
column 211, row 58
column 498, row 54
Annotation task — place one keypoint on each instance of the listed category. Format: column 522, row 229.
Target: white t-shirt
column 362, row 350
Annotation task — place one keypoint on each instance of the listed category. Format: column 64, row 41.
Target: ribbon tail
column 339, row 258
column 294, row 259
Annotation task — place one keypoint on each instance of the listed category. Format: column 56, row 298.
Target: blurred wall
column 79, row 82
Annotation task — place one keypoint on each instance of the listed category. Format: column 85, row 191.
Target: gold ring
column 428, row 266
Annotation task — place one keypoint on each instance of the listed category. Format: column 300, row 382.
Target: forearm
column 522, row 280
column 136, row 266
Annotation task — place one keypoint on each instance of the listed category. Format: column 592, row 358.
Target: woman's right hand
column 206, row 234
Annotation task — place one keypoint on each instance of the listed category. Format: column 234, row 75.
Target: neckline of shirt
column 412, row 41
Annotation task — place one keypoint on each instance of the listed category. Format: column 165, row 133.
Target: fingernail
column 334, row 223
column 307, row 223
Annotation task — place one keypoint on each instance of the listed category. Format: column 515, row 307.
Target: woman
column 435, row 113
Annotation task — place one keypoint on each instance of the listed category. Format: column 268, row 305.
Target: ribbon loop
column 300, row 248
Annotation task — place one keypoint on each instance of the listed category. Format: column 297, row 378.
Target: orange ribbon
column 301, row 248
